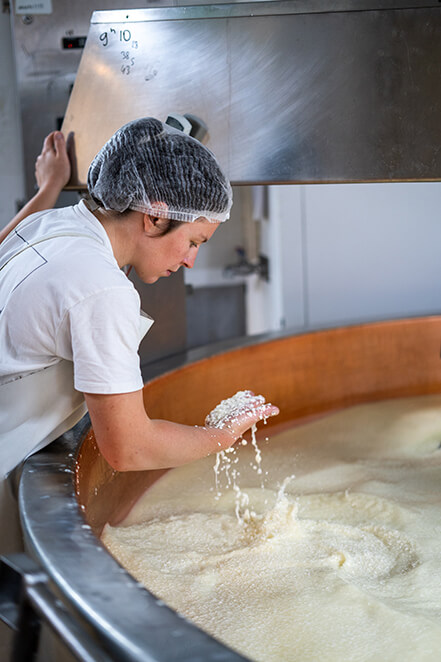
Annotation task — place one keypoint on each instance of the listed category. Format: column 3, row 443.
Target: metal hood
column 292, row 91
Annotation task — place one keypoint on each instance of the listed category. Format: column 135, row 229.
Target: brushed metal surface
column 288, row 97
column 46, row 72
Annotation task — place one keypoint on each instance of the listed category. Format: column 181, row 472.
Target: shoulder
column 79, row 258
column 96, row 279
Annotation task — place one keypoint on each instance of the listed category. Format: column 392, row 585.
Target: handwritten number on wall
column 124, row 36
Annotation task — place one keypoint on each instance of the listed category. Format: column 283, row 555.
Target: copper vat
column 306, row 375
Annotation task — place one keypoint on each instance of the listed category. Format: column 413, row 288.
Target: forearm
column 164, row 444
column 52, row 172
column 131, row 441
column 43, row 199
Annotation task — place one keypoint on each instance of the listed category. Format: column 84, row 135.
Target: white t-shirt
column 66, row 298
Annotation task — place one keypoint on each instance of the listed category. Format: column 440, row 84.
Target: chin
column 148, row 280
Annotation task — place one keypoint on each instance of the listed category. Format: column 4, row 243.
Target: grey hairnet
column 147, row 162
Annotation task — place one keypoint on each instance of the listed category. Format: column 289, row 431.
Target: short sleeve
column 105, row 336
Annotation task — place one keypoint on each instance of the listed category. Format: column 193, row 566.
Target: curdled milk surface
column 339, row 557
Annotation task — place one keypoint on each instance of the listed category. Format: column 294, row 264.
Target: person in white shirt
column 70, row 321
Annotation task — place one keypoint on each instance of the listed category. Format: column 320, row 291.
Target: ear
column 150, row 221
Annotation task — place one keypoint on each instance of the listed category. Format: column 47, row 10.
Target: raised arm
column 52, row 172
column 130, row 441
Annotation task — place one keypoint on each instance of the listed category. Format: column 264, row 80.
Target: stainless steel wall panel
column 45, row 72
column 288, row 96
column 162, row 67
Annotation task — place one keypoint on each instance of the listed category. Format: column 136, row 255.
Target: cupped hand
column 240, row 412
column 244, row 420
column 52, row 167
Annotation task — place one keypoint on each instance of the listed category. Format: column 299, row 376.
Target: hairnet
column 147, row 162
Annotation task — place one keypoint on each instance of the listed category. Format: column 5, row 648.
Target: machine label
column 33, row 6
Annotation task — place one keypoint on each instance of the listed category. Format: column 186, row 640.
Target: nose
column 189, row 260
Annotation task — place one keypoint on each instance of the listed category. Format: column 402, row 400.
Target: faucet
column 243, row 267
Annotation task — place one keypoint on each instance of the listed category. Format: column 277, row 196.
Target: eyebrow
column 201, row 239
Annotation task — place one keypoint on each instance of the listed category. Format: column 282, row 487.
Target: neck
column 122, row 232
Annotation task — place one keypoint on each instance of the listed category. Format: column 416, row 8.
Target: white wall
column 348, row 253
column 373, row 251
column 221, row 251
column 11, row 165
column 369, row 251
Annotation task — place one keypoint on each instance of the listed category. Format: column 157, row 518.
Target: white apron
column 35, row 410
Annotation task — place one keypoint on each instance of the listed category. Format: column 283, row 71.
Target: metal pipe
column 26, row 601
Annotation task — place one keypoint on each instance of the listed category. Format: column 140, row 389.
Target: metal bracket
column 26, row 599
column 244, row 267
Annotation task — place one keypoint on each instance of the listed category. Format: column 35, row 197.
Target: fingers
column 52, row 167
column 48, row 144
column 59, row 143
column 54, row 142
column 267, row 410
column 247, row 417
column 240, row 412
